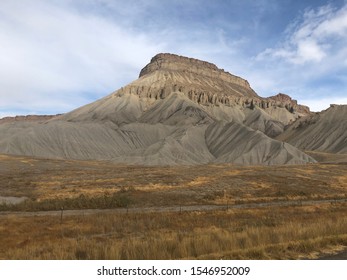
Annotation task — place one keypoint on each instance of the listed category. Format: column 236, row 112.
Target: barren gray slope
column 184, row 146
column 325, row 131
column 260, row 120
column 226, row 141
column 174, row 130
column 117, row 107
column 177, row 110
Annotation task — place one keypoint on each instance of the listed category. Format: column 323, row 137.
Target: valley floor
column 101, row 210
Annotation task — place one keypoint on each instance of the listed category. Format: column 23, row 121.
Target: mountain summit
column 179, row 111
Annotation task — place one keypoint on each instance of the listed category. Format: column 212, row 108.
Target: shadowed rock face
column 179, row 111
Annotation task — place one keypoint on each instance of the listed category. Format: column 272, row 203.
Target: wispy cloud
column 313, row 38
column 310, row 62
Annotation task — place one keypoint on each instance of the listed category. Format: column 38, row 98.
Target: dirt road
column 175, row 208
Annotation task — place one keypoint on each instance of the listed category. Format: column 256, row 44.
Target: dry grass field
column 263, row 231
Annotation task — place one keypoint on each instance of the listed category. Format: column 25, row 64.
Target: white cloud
column 321, row 33
column 48, row 52
column 309, row 50
column 335, row 24
column 310, row 62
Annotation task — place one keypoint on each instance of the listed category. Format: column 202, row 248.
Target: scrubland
column 288, row 231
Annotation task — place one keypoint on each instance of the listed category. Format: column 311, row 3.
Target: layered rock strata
column 179, row 111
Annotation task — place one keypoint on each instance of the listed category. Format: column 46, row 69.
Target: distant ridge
column 30, row 118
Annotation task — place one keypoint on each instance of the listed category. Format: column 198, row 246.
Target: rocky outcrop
column 172, row 62
column 205, row 84
column 285, row 101
column 201, row 80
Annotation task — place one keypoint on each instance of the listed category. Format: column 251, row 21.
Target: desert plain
column 69, row 209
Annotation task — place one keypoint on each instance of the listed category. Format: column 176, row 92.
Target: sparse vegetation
column 273, row 232
column 106, row 201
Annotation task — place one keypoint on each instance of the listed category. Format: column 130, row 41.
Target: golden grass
column 289, row 232
column 272, row 233
column 59, row 179
column 200, row 181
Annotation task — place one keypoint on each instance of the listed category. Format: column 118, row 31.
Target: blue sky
column 61, row 54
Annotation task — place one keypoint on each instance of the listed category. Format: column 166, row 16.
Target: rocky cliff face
column 201, row 81
column 172, row 62
column 205, row 84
